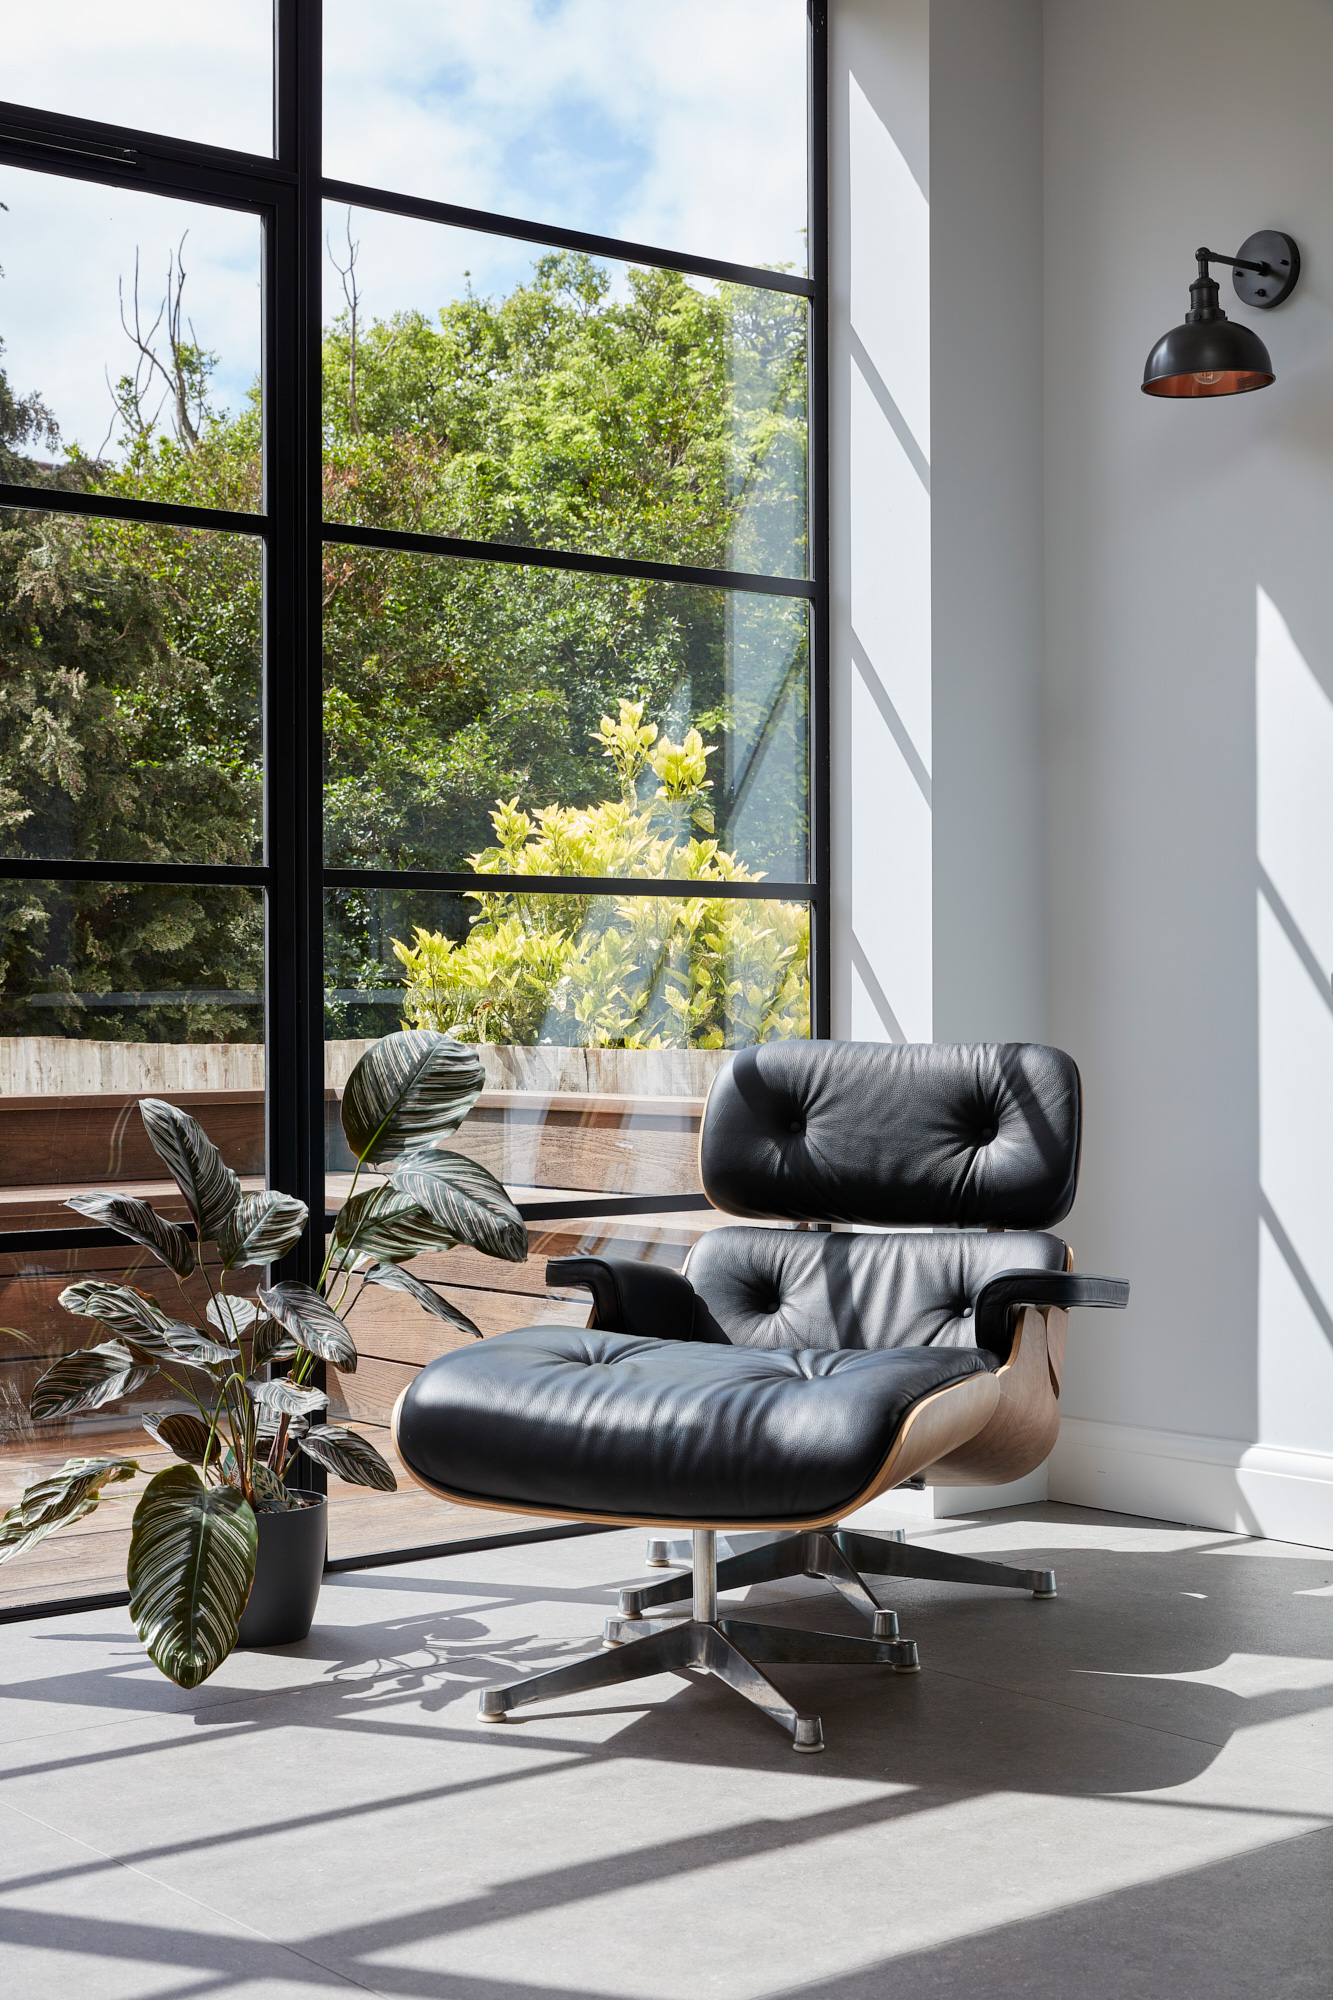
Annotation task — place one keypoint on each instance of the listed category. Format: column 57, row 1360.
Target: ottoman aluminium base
column 733, row 1649
column 750, row 1559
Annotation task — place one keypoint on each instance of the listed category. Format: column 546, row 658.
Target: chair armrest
column 648, row 1301
column 1000, row 1299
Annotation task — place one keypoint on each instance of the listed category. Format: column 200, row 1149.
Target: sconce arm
column 1207, row 257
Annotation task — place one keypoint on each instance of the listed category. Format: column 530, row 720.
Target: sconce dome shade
column 1212, row 357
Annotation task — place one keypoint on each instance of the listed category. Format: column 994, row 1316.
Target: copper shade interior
column 1225, row 382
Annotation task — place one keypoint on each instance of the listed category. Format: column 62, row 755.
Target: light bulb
column 1209, row 379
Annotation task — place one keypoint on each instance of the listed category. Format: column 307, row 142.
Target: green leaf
column 389, row 1225
column 312, row 1323
column 191, row 1565
column 285, row 1396
column 350, row 1455
column 261, row 1228
column 466, row 1199
column 406, row 1090
column 87, row 1380
column 65, row 1496
column 197, row 1167
column 141, row 1224
column 117, row 1306
column 396, row 1280
column 182, row 1433
column 231, row 1315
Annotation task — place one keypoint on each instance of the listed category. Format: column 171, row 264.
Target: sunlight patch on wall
column 1294, row 735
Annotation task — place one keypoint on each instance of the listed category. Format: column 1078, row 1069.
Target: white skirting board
column 903, row 1505
column 1246, row 1489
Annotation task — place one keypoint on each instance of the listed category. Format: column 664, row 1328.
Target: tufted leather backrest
column 895, row 1134
column 789, row 1288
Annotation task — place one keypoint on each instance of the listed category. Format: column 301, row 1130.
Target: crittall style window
column 412, row 557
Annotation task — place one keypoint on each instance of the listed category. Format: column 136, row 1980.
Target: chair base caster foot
column 808, row 1734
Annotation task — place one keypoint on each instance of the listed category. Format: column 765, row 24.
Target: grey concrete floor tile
column 71, row 1923
column 1050, row 1776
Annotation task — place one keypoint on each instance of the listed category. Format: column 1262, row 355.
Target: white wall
column 936, row 410
column 1189, row 743
column 1128, row 849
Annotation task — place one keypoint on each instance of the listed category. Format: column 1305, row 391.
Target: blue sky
column 674, row 122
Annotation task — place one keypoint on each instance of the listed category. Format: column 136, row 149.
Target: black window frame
column 287, row 192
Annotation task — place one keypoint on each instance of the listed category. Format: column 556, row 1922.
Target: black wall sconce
column 1211, row 355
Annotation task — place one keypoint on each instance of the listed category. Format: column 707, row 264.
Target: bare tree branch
column 352, row 294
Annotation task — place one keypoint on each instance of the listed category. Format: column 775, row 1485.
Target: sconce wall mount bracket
column 1267, row 266
column 1210, row 355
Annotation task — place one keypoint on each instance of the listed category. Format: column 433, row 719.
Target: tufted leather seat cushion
column 792, row 1288
column 584, row 1422
column 893, row 1134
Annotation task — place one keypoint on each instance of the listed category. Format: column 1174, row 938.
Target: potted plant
column 222, row 1550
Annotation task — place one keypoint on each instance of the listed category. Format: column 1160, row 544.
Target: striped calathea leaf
column 397, row 1280
column 231, row 1315
column 466, row 1199
column 407, row 1090
column 388, row 1225
column 116, row 1306
column 286, row 1397
column 271, row 1343
column 88, row 1379
column 261, row 1228
column 182, row 1433
column 269, row 1422
column 191, row 1565
column 198, row 1169
column 65, row 1496
column 312, row 1323
column 267, row 1488
column 141, row 1224
column 349, row 1455
column 180, row 1343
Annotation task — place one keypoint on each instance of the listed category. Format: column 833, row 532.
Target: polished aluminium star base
column 732, row 1649
column 842, row 1556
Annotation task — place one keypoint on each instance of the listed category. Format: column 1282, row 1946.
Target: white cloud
column 678, row 123
column 197, row 72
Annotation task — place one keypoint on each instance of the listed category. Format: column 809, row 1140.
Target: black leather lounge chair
column 793, row 1374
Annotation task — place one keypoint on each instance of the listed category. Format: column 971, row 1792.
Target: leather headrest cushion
column 895, row 1134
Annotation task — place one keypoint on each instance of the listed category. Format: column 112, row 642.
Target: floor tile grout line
column 170, row 1889
column 1079, row 1708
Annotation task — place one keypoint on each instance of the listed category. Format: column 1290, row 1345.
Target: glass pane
column 475, row 387
column 601, row 1023
column 110, row 993
column 681, row 124
column 202, row 73
column 534, row 721
column 131, row 724
column 131, row 343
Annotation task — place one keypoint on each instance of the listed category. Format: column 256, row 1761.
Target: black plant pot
column 290, row 1566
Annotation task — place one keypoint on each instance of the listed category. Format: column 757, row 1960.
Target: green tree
column 665, row 422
